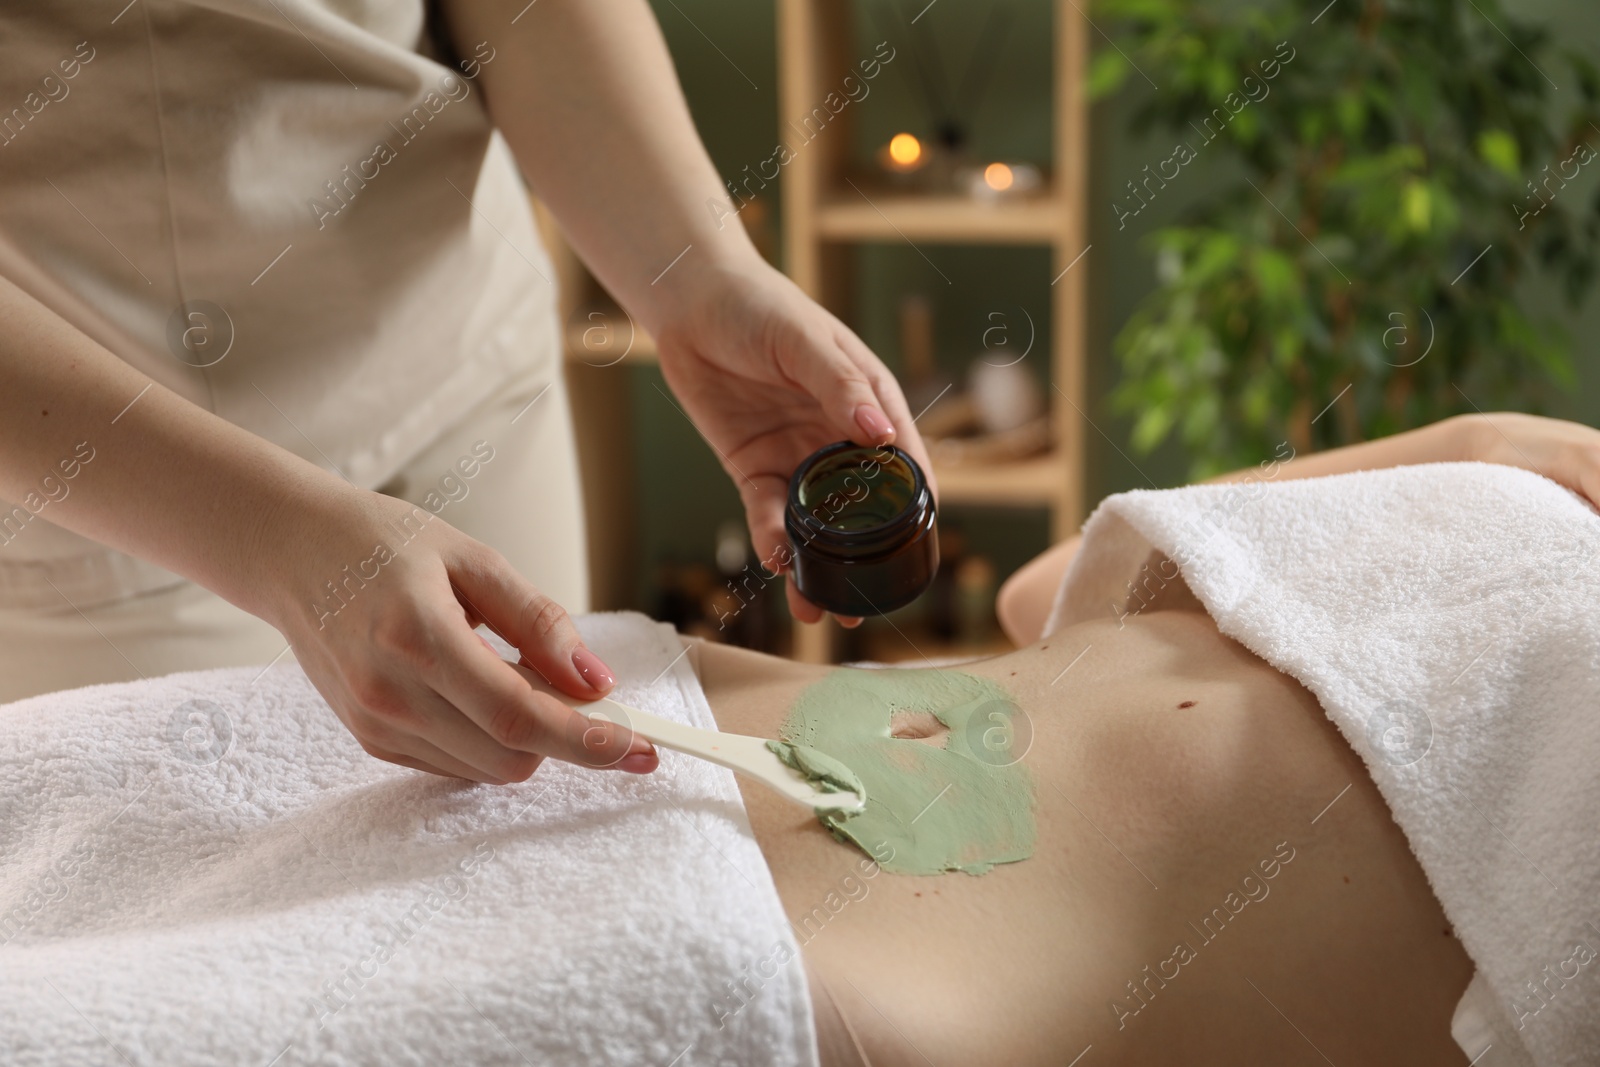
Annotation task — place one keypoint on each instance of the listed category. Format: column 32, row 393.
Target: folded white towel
column 206, row 869
column 1447, row 616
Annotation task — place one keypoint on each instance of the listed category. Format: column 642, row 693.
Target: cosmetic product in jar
column 862, row 529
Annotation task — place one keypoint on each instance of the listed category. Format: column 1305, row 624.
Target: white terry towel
column 206, row 869
column 1447, row 617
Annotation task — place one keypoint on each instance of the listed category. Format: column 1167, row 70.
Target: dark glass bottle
column 861, row 524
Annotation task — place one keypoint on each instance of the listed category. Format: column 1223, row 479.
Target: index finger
column 892, row 398
column 517, row 709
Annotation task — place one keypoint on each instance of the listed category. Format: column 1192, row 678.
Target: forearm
column 1435, row 443
column 585, row 94
column 164, row 480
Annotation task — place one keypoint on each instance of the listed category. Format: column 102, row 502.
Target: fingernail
column 638, row 763
column 874, row 423
column 596, row 673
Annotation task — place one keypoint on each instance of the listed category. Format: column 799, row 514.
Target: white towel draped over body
column 206, row 869
column 1447, row 617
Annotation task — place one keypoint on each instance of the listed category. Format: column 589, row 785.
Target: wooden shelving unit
column 600, row 345
column 827, row 208
column 942, row 219
column 1035, row 481
column 598, row 390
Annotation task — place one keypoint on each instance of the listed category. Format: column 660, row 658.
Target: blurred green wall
column 721, row 48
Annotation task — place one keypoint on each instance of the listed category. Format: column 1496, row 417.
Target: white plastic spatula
column 745, row 755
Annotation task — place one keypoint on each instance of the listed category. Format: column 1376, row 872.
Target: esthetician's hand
column 396, row 656
column 769, row 377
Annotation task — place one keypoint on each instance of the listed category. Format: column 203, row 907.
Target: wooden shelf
column 830, row 203
column 1040, row 481
column 852, row 216
column 916, row 649
column 605, row 342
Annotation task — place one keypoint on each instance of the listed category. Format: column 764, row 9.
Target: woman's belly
column 1215, row 880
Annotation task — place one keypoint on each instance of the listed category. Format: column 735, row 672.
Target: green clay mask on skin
column 965, row 804
column 829, row 774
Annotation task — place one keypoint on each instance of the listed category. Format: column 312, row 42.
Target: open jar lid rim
column 919, row 488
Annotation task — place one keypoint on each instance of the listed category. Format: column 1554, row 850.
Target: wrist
column 698, row 280
column 297, row 530
column 1460, row 437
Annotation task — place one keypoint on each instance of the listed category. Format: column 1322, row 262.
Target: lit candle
column 905, row 152
column 998, row 177
column 1001, row 181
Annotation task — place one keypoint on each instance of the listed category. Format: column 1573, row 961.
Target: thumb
column 495, row 594
column 848, row 401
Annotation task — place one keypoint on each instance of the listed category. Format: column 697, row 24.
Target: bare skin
column 1168, row 763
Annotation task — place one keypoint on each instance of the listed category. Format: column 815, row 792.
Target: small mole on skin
column 1013, row 674
column 1347, row 879
column 1187, row 704
column 918, row 894
column 44, row 412
column 1044, row 648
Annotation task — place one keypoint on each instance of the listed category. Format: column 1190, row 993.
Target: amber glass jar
column 861, row 524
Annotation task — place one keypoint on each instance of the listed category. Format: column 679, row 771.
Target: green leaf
column 1275, row 275
column 1151, row 428
column 1351, row 110
column 1107, row 71
column 1202, row 417
column 1416, row 205
column 1499, row 149
column 1220, row 81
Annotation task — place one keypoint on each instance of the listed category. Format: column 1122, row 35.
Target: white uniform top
column 280, row 209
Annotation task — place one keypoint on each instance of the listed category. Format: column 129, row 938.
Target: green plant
column 1352, row 195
